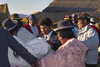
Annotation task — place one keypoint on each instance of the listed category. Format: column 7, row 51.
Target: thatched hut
column 59, row 8
column 4, row 12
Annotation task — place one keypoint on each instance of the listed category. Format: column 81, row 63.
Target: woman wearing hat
column 38, row 47
column 70, row 54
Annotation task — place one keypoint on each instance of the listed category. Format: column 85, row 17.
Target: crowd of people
column 74, row 43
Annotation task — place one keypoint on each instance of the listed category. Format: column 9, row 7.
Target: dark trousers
column 91, row 65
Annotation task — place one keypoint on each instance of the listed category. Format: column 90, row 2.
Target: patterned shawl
column 70, row 54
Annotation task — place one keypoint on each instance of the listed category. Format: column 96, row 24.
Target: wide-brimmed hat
column 63, row 25
column 15, row 16
column 9, row 24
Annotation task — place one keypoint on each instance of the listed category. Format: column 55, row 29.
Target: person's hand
column 49, row 42
column 33, row 65
column 36, row 64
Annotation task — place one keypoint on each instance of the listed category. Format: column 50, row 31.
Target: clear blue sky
column 26, row 6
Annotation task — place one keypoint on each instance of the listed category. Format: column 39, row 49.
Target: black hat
column 15, row 16
column 63, row 25
column 9, row 24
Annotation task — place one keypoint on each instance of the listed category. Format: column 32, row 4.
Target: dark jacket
column 6, row 39
column 54, row 39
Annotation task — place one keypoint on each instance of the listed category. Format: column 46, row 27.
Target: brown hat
column 15, row 16
column 83, row 15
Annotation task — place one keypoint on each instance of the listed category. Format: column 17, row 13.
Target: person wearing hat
column 15, row 16
column 89, row 37
column 74, row 19
column 70, row 54
column 47, row 33
column 6, row 41
column 37, row 47
column 32, row 26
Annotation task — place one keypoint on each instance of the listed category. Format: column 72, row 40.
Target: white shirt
column 34, row 29
column 48, row 36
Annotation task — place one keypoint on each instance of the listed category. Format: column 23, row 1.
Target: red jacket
column 27, row 26
column 92, row 26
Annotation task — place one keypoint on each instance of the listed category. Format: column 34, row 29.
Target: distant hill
column 23, row 15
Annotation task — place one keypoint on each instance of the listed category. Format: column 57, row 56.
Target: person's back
column 70, row 54
column 4, row 48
